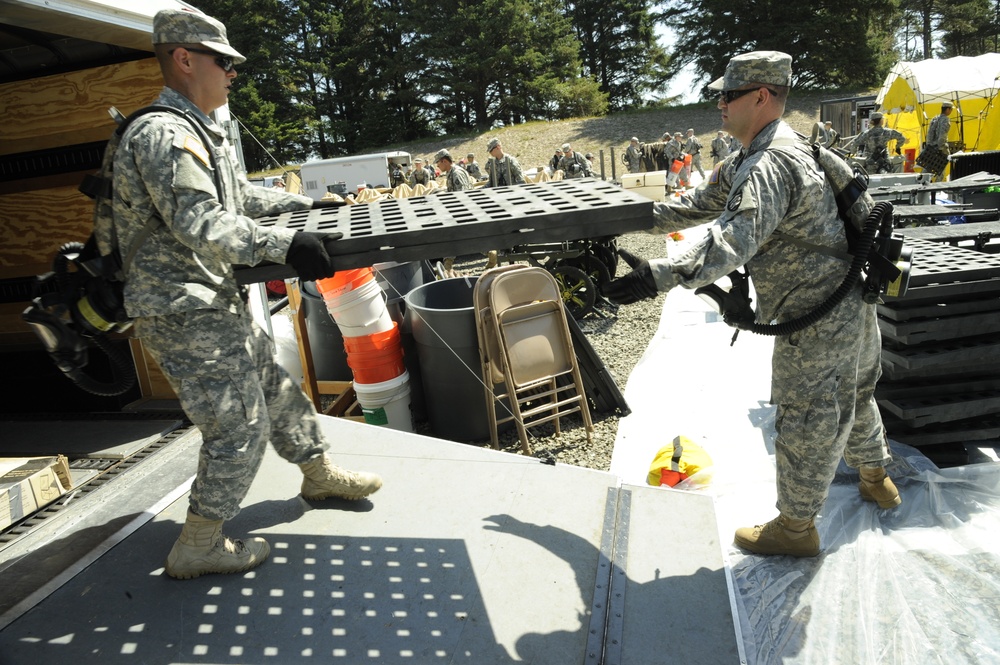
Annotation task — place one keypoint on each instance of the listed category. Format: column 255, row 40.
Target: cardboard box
column 27, row 484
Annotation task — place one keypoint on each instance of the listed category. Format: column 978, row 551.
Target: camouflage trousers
column 223, row 369
column 823, row 383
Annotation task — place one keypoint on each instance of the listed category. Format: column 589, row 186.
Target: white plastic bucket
column 387, row 403
column 361, row 311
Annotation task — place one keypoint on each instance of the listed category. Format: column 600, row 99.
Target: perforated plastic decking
column 456, row 223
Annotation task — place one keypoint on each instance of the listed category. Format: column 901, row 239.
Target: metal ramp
column 467, row 555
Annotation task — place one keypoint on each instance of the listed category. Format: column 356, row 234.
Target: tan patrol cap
column 181, row 26
column 763, row 67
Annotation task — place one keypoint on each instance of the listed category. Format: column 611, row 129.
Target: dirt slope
column 533, row 143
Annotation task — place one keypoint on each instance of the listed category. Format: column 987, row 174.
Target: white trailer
column 342, row 175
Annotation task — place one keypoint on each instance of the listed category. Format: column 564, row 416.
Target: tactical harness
column 872, row 249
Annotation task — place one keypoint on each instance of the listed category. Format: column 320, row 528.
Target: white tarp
column 916, row 585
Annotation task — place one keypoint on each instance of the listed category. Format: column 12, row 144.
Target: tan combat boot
column 876, row 486
column 780, row 536
column 322, row 480
column 201, row 548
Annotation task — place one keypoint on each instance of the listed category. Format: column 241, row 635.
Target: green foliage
column 832, row 44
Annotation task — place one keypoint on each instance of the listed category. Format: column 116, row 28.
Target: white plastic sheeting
column 919, row 584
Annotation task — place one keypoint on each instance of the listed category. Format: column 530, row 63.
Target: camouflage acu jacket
column 163, row 171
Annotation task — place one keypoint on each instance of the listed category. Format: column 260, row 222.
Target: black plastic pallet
column 919, row 331
column 900, row 310
column 457, row 223
column 969, row 352
column 917, row 406
column 984, row 428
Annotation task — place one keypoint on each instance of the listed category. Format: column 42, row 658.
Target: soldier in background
column 573, row 164
column 720, row 147
column 832, row 137
column 633, row 156
column 693, row 148
column 937, row 138
column 456, row 178
column 420, row 175
column 472, row 167
column 502, row 169
column 874, row 143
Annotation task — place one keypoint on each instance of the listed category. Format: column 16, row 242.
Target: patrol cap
column 566, row 147
column 875, row 116
column 470, row 156
column 442, row 154
column 763, row 67
column 947, row 104
column 181, row 26
column 492, row 144
column 634, row 139
column 418, row 160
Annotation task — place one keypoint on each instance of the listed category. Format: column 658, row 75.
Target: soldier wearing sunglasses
column 774, row 212
column 181, row 197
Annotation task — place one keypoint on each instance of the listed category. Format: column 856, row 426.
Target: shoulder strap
column 99, row 186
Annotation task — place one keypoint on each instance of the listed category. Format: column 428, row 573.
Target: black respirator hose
column 872, row 224
column 121, row 370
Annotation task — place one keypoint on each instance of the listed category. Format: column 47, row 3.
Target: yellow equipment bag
column 677, row 461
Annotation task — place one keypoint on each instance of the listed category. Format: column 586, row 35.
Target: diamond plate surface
column 456, row 223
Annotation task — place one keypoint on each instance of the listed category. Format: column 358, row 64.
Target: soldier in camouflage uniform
column 633, row 156
column 456, row 177
column 472, row 167
column 420, row 175
column 874, row 141
column 720, row 147
column 573, row 164
column 196, row 207
column 937, row 135
column 502, row 169
column 823, row 377
column 693, row 148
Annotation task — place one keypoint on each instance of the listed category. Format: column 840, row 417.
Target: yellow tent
column 913, row 91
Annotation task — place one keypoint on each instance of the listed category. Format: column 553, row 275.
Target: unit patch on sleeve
column 194, row 146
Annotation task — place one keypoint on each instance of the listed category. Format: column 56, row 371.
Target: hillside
column 533, row 143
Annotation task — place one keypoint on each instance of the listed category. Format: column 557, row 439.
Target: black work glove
column 633, row 287
column 308, row 255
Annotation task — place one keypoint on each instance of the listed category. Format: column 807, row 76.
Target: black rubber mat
column 457, row 223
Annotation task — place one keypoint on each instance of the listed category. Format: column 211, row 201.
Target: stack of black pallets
column 940, row 342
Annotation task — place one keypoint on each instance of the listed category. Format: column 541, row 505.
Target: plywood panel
column 33, row 225
column 71, row 108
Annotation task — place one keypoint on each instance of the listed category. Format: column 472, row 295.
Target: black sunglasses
column 729, row 96
column 224, row 61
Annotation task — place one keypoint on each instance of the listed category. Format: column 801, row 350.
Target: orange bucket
column 377, row 357
column 344, row 281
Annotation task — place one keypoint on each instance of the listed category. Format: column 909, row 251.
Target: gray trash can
column 443, row 322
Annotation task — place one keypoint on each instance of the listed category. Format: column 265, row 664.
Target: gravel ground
column 619, row 336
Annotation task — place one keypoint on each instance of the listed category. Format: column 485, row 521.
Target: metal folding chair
column 526, row 348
